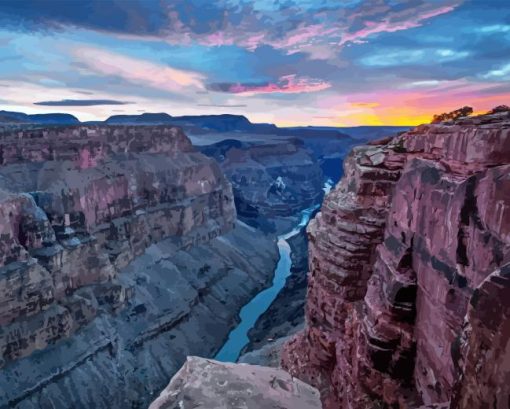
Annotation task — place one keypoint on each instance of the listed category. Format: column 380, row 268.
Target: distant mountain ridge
column 218, row 123
column 360, row 132
column 52, row 118
column 201, row 124
column 148, row 117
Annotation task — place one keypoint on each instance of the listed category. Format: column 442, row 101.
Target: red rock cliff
column 409, row 284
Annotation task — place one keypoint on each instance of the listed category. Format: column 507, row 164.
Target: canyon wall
column 409, row 293
column 120, row 254
column 270, row 181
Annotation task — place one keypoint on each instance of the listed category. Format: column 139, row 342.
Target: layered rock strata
column 407, row 299
column 207, row 384
column 269, row 180
column 116, row 244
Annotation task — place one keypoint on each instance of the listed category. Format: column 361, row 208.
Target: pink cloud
column 138, row 71
column 288, row 84
column 313, row 36
column 253, row 41
column 304, row 36
column 218, row 38
column 386, row 26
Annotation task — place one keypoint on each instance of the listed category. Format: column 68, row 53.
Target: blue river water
column 250, row 313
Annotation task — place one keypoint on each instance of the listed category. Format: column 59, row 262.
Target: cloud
column 387, row 26
column 84, row 92
column 500, row 73
column 142, row 17
column 401, row 57
column 81, row 102
column 223, row 105
column 493, row 29
column 287, row 84
column 292, row 25
column 311, row 29
column 365, row 104
column 138, row 71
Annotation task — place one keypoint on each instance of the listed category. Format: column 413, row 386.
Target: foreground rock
column 409, row 296
column 207, row 384
column 118, row 246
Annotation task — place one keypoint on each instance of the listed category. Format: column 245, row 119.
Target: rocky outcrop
column 269, row 180
column 407, row 299
column 208, row 384
column 116, row 244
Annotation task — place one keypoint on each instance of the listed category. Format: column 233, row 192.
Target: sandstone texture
column 120, row 255
column 207, row 384
column 409, row 293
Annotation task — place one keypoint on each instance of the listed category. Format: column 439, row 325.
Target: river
column 250, row 313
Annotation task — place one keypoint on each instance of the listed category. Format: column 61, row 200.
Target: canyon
column 128, row 249
column 119, row 246
column 271, row 181
column 409, row 285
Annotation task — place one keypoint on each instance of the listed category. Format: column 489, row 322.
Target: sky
column 288, row 62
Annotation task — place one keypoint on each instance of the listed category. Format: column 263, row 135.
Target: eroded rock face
column 484, row 346
column 269, row 180
column 400, row 252
column 208, row 384
column 116, row 243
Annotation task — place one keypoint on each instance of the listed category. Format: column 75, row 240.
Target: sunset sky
column 289, row 62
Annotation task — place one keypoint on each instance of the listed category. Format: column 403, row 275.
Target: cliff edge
column 408, row 299
column 207, row 384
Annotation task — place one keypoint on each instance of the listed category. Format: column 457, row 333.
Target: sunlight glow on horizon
column 350, row 67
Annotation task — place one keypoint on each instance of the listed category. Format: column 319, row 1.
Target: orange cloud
column 408, row 107
column 364, row 104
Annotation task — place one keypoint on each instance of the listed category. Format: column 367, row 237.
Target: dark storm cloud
column 131, row 16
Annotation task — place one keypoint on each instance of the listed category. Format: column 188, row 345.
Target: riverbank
column 277, row 311
column 251, row 312
column 285, row 316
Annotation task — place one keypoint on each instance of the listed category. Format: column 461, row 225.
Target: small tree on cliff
column 498, row 109
column 450, row 116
